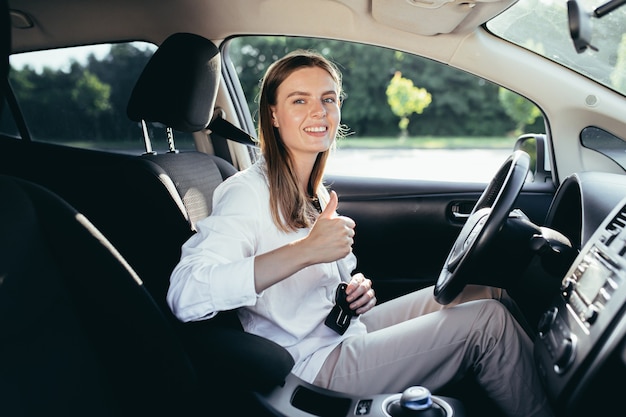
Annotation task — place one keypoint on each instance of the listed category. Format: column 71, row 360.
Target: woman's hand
column 331, row 237
column 360, row 294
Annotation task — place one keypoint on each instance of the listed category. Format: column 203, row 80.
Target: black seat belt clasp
column 339, row 317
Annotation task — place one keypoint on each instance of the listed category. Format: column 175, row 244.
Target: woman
column 275, row 250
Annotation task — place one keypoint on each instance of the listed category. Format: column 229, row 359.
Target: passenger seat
column 178, row 89
column 146, row 205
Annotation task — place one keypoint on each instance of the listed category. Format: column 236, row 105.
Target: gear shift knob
column 416, row 401
column 416, row 398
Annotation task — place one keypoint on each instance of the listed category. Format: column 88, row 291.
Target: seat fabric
column 195, row 176
column 75, row 317
column 131, row 200
column 80, row 334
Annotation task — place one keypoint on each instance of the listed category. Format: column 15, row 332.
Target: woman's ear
column 274, row 120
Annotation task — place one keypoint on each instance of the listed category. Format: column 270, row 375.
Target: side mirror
column 536, row 146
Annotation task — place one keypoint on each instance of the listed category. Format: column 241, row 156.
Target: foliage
column 519, row 109
column 91, row 94
column 405, row 98
column 87, row 100
column 465, row 105
column 84, row 101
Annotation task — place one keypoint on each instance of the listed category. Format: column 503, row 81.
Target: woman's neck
column 303, row 172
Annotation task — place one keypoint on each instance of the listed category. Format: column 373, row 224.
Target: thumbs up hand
column 331, row 237
column 331, row 208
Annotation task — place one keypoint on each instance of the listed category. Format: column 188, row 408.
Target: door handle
column 461, row 210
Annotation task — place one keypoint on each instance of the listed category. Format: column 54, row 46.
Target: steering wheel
column 483, row 224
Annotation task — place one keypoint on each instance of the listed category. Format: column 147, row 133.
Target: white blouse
column 216, row 273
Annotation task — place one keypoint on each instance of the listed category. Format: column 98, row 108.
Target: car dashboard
column 582, row 202
column 580, row 347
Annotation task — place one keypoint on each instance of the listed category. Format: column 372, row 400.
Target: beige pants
column 413, row 340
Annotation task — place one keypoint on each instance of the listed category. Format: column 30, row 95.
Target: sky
column 58, row 58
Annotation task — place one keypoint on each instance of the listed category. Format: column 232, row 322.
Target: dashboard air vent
column 618, row 222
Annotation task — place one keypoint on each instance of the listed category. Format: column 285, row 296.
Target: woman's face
column 307, row 112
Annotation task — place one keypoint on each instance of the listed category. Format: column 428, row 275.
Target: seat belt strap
column 225, row 129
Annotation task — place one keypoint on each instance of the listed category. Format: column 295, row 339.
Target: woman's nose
column 318, row 109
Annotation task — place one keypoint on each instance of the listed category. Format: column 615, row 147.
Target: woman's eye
column 298, row 101
column 330, row 100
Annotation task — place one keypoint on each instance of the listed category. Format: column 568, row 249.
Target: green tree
column 405, row 98
column 120, row 69
column 366, row 71
column 465, row 105
column 91, row 94
column 521, row 110
column 85, row 102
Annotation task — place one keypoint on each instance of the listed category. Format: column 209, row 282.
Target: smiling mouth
column 317, row 129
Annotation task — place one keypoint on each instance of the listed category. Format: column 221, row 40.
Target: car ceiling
column 65, row 22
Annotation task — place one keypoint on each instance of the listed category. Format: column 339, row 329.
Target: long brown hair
column 291, row 207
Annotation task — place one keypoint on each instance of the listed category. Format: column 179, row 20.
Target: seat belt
column 225, row 129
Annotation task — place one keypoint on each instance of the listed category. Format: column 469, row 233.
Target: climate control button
column 564, row 355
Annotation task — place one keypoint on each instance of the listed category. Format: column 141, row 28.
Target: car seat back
column 80, row 334
column 177, row 89
column 132, row 200
column 146, row 205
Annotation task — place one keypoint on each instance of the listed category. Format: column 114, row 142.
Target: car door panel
column 406, row 228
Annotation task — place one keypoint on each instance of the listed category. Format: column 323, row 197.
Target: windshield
column 542, row 27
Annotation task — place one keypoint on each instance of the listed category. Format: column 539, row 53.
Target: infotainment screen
column 592, row 279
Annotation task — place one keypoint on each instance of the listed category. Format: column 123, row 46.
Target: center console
column 297, row 398
column 580, row 347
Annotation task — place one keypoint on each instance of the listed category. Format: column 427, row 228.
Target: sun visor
column 433, row 17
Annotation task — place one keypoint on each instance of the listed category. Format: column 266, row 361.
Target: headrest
column 178, row 86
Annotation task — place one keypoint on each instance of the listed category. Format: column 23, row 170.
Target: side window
column 408, row 117
column 78, row 97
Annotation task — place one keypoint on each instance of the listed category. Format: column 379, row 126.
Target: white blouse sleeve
column 216, row 269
